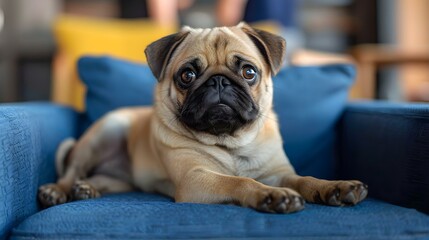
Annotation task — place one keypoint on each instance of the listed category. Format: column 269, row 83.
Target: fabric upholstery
column 112, row 83
column 386, row 145
column 308, row 101
column 148, row 216
column 29, row 135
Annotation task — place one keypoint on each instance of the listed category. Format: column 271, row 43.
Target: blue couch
column 385, row 145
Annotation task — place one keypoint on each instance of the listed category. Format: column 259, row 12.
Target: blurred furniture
column 370, row 58
column 305, row 57
column 334, row 26
column 374, row 138
column 26, row 49
column 77, row 36
column 412, row 18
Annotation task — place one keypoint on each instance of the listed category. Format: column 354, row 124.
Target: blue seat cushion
column 307, row 100
column 148, row 216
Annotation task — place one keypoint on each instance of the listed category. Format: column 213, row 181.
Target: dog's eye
column 188, row 76
column 248, row 72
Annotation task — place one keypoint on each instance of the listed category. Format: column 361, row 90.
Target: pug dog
column 211, row 136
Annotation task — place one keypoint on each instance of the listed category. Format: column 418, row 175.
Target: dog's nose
column 219, row 82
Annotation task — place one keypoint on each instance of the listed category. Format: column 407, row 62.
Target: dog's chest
column 248, row 163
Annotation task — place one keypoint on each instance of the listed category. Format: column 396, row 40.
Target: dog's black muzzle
column 218, row 106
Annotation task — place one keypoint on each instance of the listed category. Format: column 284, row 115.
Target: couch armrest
column 386, row 145
column 29, row 136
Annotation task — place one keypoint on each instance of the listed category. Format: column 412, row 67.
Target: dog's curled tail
column 63, row 154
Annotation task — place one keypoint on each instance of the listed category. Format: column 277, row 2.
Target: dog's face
column 216, row 81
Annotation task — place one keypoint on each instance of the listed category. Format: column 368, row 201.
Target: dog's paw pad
column 347, row 193
column 51, row 195
column 279, row 200
column 82, row 190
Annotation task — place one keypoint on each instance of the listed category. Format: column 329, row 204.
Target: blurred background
column 40, row 41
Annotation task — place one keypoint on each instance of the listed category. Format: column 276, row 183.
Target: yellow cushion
column 77, row 36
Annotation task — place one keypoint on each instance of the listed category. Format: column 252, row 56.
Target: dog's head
column 218, row 80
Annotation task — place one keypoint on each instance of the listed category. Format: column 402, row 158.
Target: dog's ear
column 158, row 53
column 271, row 46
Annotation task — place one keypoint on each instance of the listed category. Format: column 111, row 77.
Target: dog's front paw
column 51, row 195
column 277, row 200
column 82, row 190
column 342, row 193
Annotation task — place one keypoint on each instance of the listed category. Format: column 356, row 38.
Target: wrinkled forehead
column 217, row 46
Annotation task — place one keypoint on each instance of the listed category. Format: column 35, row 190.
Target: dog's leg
column 97, row 185
column 334, row 193
column 201, row 185
column 105, row 139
